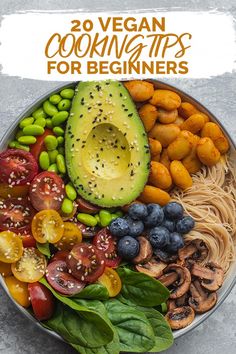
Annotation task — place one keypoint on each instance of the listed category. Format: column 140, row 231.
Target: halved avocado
column 107, row 151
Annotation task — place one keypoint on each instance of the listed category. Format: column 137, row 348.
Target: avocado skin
column 106, row 146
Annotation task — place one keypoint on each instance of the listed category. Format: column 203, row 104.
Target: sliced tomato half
column 107, row 244
column 18, row 167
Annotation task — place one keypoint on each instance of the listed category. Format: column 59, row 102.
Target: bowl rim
column 188, row 98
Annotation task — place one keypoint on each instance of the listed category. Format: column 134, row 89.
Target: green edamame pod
column 67, row 93
column 49, row 108
column 114, row 216
column 58, row 131
column 39, row 113
column 55, row 99
column 19, row 134
column 105, row 217
column 26, row 121
column 61, row 150
column 49, row 123
column 41, row 122
column 87, row 219
column 27, row 140
column 21, row 146
column 50, row 142
column 60, row 140
column 44, row 161
column 61, row 165
column 59, row 118
column 70, row 192
column 12, row 144
column 119, row 213
column 53, row 155
column 53, row 168
column 64, row 105
column 67, row 206
column 33, row 129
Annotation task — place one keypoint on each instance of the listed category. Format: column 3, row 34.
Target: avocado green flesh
column 107, row 152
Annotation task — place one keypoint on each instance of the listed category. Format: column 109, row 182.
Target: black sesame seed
column 126, row 109
column 121, row 95
column 118, row 157
column 130, row 115
column 81, row 116
column 101, row 149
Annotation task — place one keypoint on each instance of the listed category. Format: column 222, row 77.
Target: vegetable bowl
column 230, row 278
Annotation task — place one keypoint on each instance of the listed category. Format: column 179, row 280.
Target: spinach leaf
column 44, row 248
column 87, row 313
column 163, row 333
column 142, row 289
column 134, row 330
column 93, row 291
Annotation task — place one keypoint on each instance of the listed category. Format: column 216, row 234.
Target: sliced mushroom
column 195, row 249
column 153, row 268
column 145, row 251
column 164, row 256
column 212, row 275
column 181, row 301
column 180, row 317
column 178, row 278
column 201, row 300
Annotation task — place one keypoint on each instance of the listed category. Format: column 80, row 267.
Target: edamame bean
column 67, row 93
column 119, row 213
column 44, row 161
column 70, row 192
column 26, row 121
column 49, row 108
column 41, row 122
column 55, row 99
column 61, row 163
column 105, row 218
column 64, row 105
column 33, row 129
column 27, row 140
column 53, row 155
column 49, row 123
column 39, row 113
column 53, row 168
column 87, row 219
column 60, row 140
column 19, row 134
column 50, row 142
column 12, row 144
column 98, row 219
column 59, row 118
column 114, row 216
column 58, row 131
column 21, row 147
column 61, row 150
column 67, row 206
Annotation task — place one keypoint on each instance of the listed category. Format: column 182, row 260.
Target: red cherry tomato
column 86, row 207
column 60, row 256
column 87, row 231
column 39, row 146
column 28, row 240
column 47, row 191
column 85, row 262
column 58, row 277
column 16, row 215
column 106, row 243
column 42, row 301
column 18, row 167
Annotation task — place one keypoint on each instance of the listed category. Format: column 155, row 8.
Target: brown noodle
column 211, row 201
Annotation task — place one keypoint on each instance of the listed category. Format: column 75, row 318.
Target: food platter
column 231, row 278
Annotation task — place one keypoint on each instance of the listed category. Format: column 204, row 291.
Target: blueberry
column 136, row 227
column 137, row 211
column 119, row 227
column 169, row 224
column 173, row 211
column 128, row 247
column 184, row 225
column 159, row 237
column 176, row 242
column 155, row 215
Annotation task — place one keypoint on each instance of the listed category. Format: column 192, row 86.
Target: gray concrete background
column 218, row 333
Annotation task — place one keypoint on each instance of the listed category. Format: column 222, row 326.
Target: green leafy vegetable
column 142, row 289
column 44, row 248
column 134, row 330
column 93, row 291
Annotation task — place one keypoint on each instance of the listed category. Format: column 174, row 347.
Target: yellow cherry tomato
column 18, row 290
column 31, row 266
column 5, row 269
column 47, row 226
column 111, row 280
column 71, row 236
column 11, row 247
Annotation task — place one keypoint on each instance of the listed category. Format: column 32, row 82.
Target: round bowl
column 231, row 277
